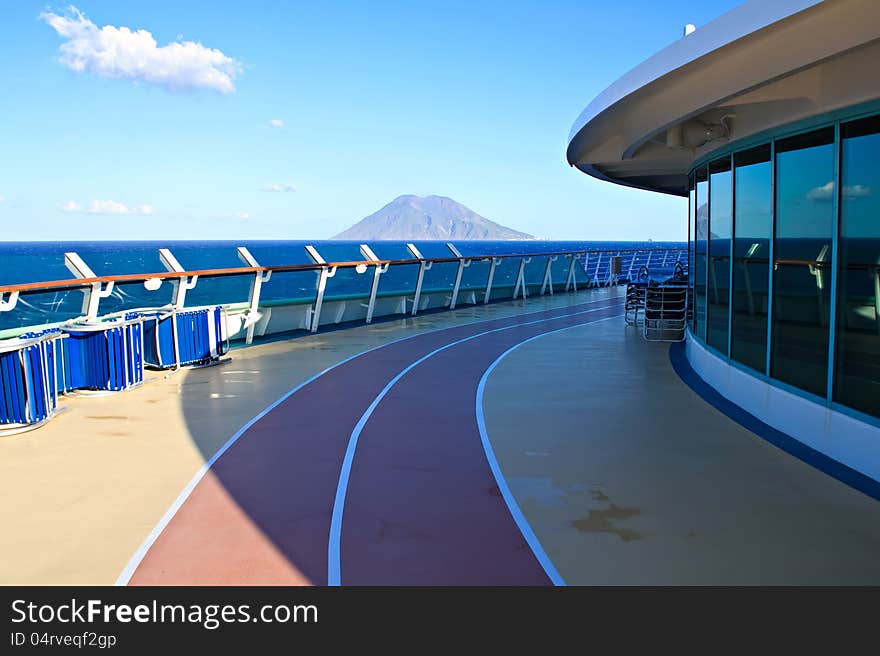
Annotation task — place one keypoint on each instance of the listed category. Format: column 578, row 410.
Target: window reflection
column 802, row 253
column 857, row 357
column 741, row 209
column 751, row 270
column 701, row 229
column 691, row 244
column 720, row 231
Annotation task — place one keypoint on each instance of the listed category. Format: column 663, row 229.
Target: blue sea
column 22, row 262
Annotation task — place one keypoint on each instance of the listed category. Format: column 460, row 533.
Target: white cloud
column 244, row 215
column 279, row 187
column 826, row 191
column 276, row 123
column 107, row 207
column 104, row 207
column 120, row 53
column 69, row 206
column 115, row 207
column 821, row 193
column 2, row 199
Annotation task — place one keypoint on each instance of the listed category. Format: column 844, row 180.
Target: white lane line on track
column 141, row 552
column 518, row 516
column 334, row 557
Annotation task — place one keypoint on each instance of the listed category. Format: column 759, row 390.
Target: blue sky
column 472, row 100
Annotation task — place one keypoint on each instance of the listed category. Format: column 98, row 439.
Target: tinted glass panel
column 802, row 253
column 701, row 229
column 720, row 232
column 857, row 359
column 691, row 243
column 751, row 269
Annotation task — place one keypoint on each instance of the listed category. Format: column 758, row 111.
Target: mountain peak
column 410, row 217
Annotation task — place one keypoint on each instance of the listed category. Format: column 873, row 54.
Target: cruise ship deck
column 520, row 442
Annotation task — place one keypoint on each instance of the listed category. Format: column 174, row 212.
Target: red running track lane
column 422, row 506
column 261, row 515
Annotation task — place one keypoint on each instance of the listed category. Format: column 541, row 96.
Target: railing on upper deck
column 252, row 317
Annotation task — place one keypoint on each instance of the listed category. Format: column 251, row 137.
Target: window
column 691, row 244
column 720, row 232
column 857, row 353
column 751, row 253
column 802, row 258
column 701, row 230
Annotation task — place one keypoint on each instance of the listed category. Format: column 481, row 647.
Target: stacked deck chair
column 103, row 356
column 635, row 297
column 180, row 338
column 29, row 384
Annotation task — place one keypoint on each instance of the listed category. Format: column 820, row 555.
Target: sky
column 293, row 120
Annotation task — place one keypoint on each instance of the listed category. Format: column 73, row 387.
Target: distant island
column 409, row 218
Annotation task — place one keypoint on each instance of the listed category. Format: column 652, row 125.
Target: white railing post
column 253, row 312
column 632, row 263
column 548, row 276
column 324, row 274
column 180, row 284
column 462, row 265
column 93, row 294
column 423, row 266
column 571, row 280
column 521, row 279
column 7, row 305
column 494, row 262
column 378, row 270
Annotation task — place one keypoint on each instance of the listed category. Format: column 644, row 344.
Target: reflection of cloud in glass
column 826, row 191
column 821, row 193
column 857, row 191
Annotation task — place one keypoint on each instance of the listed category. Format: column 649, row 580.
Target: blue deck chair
column 103, row 356
column 181, row 338
column 29, row 386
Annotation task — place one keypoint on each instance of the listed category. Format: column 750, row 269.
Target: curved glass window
column 691, row 242
column 720, row 233
column 785, row 255
column 701, row 244
column 857, row 356
column 751, row 253
column 802, row 258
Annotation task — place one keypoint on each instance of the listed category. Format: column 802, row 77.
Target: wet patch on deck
column 603, row 520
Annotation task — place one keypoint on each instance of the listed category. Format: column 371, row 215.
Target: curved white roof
column 644, row 129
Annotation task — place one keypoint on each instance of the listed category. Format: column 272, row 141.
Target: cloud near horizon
column 105, row 207
column 120, row 53
column 826, row 191
column 279, row 188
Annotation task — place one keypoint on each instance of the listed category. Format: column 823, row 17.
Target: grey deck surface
column 628, row 477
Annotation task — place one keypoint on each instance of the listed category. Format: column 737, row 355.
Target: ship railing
column 106, row 352
column 252, row 317
column 598, row 264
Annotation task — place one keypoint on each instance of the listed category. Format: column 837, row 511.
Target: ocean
column 22, row 262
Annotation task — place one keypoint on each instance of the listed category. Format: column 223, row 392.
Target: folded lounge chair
column 179, row 338
column 103, row 356
column 29, row 384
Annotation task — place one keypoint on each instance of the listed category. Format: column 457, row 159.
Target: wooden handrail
column 75, row 283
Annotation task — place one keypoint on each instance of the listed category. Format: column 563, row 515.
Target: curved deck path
column 372, row 472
